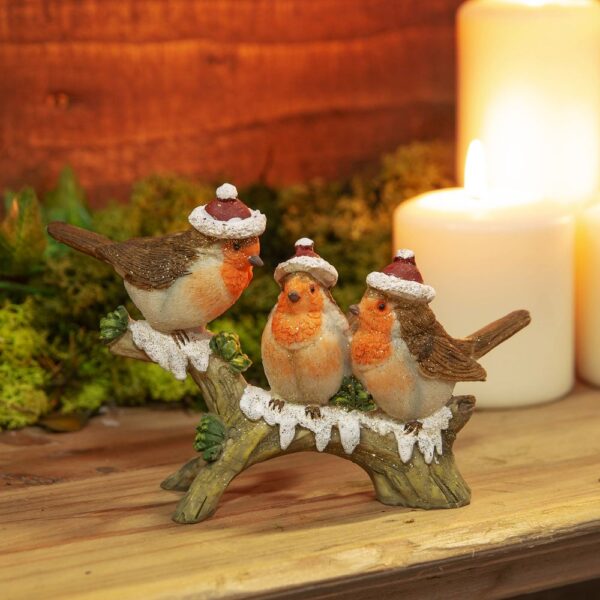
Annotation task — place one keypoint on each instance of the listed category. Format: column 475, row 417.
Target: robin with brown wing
column 402, row 355
column 182, row 281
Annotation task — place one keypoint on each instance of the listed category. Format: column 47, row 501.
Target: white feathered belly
column 399, row 388
column 191, row 301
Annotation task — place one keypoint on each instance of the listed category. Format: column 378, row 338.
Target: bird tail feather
column 487, row 338
column 83, row 240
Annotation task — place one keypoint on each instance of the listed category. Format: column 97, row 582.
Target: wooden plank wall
column 272, row 90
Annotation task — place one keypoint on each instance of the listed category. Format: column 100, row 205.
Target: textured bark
column 414, row 484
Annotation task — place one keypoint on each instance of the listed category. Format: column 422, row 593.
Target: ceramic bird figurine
column 305, row 344
column 182, row 281
column 402, row 355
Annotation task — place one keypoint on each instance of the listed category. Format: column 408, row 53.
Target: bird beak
column 353, row 308
column 255, row 261
column 294, row 296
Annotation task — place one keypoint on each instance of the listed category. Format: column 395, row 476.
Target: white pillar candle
column 588, row 295
column 529, row 88
column 486, row 254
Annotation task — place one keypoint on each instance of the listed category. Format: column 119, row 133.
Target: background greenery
column 51, row 298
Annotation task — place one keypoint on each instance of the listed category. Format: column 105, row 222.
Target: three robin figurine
column 395, row 347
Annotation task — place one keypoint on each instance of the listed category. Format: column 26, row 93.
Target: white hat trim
column 313, row 265
column 395, row 286
column 304, row 242
column 235, row 228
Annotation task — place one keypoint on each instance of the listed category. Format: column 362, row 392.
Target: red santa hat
column 227, row 217
column 308, row 261
column 402, row 279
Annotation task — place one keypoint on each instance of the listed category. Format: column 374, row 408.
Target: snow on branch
column 256, row 404
column 162, row 349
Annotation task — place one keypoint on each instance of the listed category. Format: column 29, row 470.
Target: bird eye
column 381, row 306
column 312, row 289
column 237, row 245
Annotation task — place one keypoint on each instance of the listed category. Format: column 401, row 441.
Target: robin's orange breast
column 236, row 280
column 291, row 329
column 370, row 347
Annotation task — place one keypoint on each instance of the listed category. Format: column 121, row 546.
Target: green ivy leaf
column 353, row 396
column 114, row 325
column 211, row 434
column 228, row 347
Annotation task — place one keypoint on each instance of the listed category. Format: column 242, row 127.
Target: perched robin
column 402, row 355
column 305, row 344
column 183, row 280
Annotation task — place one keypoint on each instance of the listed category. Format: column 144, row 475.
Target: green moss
column 23, row 366
column 20, row 341
column 22, row 236
column 156, row 384
column 21, row 403
column 67, row 203
column 88, row 398
column 161, row 204
column 52, row 297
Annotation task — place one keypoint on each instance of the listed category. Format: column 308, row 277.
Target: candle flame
column 475, row 171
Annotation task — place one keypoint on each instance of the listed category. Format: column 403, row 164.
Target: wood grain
column 242, row 89
column 81, row 515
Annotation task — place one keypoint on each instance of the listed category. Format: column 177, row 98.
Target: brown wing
column 154, row 263
column 439, row 355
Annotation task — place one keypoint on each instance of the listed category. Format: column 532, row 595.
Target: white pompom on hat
column 227, row 217
column 308, row 261
column 402, row 279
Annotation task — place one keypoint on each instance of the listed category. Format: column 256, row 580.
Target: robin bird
column 182, row 281
column 305, row 344
column 403, row 356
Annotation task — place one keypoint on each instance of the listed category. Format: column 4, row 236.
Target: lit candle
column 529, row 88
column 588, row 295
column 487, row 253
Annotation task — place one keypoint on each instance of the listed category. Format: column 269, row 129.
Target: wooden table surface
column 82, row 516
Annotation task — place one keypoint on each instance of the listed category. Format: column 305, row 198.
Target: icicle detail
column 256, row 404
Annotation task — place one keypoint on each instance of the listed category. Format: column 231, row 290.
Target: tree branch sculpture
column 413, row 484
column 395, row 416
